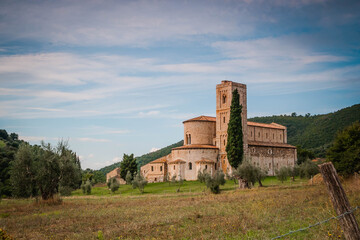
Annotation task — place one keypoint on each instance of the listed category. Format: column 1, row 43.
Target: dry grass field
column 259, row 213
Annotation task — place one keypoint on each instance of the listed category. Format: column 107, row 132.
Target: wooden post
column 340, row 201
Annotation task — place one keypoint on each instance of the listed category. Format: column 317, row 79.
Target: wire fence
column 318, row 223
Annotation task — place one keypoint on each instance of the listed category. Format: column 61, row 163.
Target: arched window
column 189, row 139
column 224, row 142
column 190, row 165
column 152, row 168
column 224, row 119
column 160, row 168
column 224, row 99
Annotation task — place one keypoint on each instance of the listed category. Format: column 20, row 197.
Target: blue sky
column 115, row 77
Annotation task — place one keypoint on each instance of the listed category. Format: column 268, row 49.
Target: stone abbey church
column 205, row 140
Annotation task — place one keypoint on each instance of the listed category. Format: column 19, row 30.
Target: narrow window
column 224, row 99
column 259, row 134
column 251, row 133
column 155, row 179
column 160, row 168
column 189, row 142
column 269, row 165
column 266, row 135
column 190, row 165
column 174, row 167
column 280, row 136
column 224, row 119
column 224, row 142
column 205, row 166
column 152, row 168
column 273, row 136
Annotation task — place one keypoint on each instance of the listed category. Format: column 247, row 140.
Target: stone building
column 115, row 174
column 205, row 141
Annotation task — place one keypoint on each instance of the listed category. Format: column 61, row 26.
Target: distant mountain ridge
column 315, row 133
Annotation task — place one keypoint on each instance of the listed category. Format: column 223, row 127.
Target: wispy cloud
column 92, row 140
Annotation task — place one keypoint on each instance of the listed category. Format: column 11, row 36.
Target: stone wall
column 262, row 134
column 271, row 159
column 190, row 156
column 201, row 132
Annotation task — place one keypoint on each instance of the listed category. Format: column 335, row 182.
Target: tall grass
column 258, row 213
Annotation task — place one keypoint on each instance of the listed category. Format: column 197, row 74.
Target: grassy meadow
column 192, row 213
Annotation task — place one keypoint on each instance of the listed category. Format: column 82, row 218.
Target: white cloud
column 154, row 149
column 32, row 138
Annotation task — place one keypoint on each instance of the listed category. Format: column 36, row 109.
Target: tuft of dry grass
column 259, row 213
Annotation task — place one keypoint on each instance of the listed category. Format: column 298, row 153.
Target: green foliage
column 316, row 132
column 113, row 184
column 249, row 173
column 128, row 177
column 100, row 235
column 87, row 187
column 8, row 148
column 201, row 177
column 65, row 190
column 308, row 169
column 23, row 172
column 45, row 170
column 128, row 164
column 345, row 151
column 214, row 182
column 303, row 155
column 283, row 174
column 234, row 147
column 139, row 182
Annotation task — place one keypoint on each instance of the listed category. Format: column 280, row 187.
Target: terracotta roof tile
column 202, row 119
column 265, row 125
column 196, row 146
column 177, row 161
column 269, row 144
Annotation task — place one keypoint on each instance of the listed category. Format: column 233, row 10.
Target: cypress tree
column 234, row 147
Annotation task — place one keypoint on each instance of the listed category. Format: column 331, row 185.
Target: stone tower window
column 160, row 168
column 259, row 134
column 174, row 167
column 224, row 119
column 152, row 168
column 205, row 167
column 224, row 142
column 224, row 99
column 190, row 165
column 266, row 135
column 189, row 139
column 251, row 133
column 273, row 136
column 280, row 137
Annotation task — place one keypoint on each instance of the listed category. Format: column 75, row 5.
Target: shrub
column 308, row 169
column 247, row 172
column 282, row 174
column 87, row 187
column 214, row 182
column 65, row 190
column 128, row 177
column 202, row 176
column 139, row 182
column 114, row 186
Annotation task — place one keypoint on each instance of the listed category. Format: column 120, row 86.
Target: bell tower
column 223, row 103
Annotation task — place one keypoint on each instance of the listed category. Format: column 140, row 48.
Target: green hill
column 146, row 158
column 316, row 132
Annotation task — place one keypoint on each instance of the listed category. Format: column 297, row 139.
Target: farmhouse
column 205, row 140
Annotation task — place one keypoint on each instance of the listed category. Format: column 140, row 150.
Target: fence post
column 340, row 201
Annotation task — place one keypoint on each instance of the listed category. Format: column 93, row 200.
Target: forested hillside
column 316, row 132
column 9, row 144
column 146, row 158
